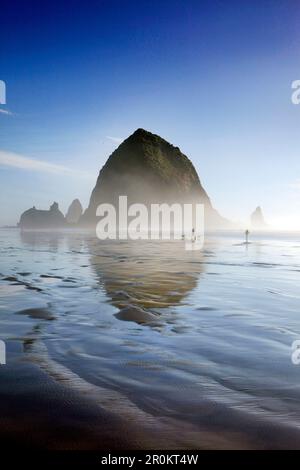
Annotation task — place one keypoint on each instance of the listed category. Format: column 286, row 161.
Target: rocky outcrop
column 257, row 219
column 74, row 212
column 148, row 169
column 40, row 219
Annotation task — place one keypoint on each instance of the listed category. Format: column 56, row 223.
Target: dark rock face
column 74, row 212
column 39, row 219
column 147, row 169
column 257, row 218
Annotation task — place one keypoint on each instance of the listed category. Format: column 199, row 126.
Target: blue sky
column 213, row 77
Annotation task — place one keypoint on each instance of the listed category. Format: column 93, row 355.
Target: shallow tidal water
column 192, row 347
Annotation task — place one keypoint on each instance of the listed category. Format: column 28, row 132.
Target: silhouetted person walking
column 247, row 235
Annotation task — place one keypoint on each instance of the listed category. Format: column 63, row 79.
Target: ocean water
column 200, row 339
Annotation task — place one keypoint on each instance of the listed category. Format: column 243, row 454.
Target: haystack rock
column 74, row 212
column 148, row 169
column 257, row 219
column 40, row 219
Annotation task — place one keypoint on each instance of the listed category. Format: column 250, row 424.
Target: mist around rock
column 145, row 168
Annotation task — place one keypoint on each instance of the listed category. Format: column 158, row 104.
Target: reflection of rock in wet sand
column 138, row 276
column 145, row 275
column 38, row 238
column 53, row 241
column 37, row 313
column 136, row 314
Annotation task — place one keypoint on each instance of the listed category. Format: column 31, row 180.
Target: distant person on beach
column 247, row 235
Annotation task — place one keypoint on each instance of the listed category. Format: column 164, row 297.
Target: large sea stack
column 148, row 169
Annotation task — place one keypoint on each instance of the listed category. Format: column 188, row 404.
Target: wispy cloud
column 295, row 184
column 6, row 111
column 9, row 159
column 116, row 140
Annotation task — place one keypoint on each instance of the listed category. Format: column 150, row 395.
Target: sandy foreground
column 45, row 407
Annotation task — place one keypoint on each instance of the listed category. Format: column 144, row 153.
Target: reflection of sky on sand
column 218, row 351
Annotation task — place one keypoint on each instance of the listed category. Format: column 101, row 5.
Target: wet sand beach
column 120, row 346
